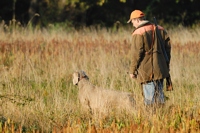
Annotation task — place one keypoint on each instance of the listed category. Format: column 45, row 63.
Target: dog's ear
column 83, row 75
column 75, row 78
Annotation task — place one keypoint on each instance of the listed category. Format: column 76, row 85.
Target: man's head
column 135, row 17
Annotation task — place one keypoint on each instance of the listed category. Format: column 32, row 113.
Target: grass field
column 37, row 94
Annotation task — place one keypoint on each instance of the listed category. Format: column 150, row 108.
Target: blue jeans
column 153, row 92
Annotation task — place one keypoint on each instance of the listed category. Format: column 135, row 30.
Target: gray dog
column 101, row 100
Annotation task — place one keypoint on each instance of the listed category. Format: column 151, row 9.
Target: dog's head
column 77, row 76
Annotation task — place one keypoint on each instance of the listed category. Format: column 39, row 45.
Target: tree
column 97, row 12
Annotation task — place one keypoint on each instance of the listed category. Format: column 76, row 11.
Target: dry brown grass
column 36, row 91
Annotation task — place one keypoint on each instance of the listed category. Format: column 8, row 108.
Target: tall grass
column 36, row 91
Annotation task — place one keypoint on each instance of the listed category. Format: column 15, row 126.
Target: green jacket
column 144, row 46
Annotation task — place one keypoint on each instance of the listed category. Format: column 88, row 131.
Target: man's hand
column 133, row 76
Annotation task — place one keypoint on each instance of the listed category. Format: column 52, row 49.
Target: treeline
column 97, row 12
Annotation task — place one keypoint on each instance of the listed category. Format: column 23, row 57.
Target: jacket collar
column 145, row 22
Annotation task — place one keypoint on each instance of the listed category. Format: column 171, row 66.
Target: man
column 148, row 63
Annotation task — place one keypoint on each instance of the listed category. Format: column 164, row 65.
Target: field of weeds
column 37, row 94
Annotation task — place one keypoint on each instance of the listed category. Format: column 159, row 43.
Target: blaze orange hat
column 135, row 14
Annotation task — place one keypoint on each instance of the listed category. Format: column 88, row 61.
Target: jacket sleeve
column 137, row 50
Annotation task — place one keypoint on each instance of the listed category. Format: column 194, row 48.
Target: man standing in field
column 148, row 63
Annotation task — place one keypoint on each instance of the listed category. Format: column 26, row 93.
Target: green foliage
column 101, row 12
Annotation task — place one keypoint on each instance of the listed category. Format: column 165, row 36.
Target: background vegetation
column 106, row 13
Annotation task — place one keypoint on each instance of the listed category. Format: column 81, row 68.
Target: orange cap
column 135, row 14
